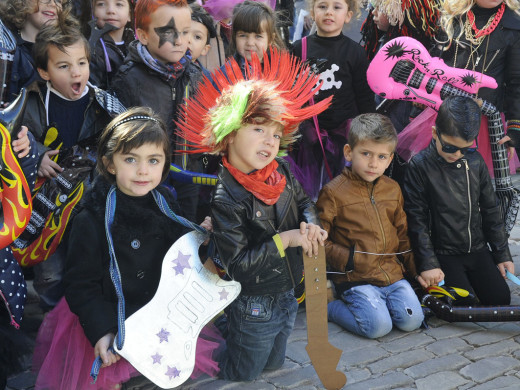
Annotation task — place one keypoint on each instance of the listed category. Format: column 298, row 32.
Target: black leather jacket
column 452, row 208
column 243, row 229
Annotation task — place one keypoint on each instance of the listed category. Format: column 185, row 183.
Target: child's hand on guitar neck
column 309, row 236
column 22, row 145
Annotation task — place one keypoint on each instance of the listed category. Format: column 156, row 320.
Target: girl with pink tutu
column 133, row 159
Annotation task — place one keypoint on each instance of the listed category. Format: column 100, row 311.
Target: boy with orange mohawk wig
column 262, row 219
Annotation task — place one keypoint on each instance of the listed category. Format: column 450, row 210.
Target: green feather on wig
column 227, row 117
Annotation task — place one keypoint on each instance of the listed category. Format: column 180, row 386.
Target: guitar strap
column 323, row 355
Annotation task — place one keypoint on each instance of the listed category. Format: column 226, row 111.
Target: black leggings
column 478, row 274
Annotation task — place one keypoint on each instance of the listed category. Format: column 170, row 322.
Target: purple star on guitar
column 172, row 372
column 163, row 335
column 181, row 262
column 223, row 294
column 156, row 358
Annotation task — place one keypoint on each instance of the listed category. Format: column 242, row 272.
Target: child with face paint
column 111, row 33
column 158, row 73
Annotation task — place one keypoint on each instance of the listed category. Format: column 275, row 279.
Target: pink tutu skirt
column 63, row 356
column 418, row 134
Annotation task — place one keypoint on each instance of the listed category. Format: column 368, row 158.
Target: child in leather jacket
column 454, row 219
column 262, row 218
column 368, row 248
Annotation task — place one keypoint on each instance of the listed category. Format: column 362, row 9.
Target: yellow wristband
column 278, row 241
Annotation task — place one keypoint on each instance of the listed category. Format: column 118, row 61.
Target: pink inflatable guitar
column 403, row 69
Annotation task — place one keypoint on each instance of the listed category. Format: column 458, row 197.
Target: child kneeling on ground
column 456, row 226
column 368, row 247
column 261, row 216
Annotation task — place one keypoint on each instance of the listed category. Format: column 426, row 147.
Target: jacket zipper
column 373, row 201
column 290, row 271
column 469, row 203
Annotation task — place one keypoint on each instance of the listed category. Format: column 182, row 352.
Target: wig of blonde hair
column 453, row 10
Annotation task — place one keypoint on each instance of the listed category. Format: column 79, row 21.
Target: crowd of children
column 291, row 132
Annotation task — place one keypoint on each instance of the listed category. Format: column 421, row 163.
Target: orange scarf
column 266, row 184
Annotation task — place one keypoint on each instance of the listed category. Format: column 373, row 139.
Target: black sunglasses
column 447, row 148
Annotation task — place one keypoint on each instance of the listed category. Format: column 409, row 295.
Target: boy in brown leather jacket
column 368, row 246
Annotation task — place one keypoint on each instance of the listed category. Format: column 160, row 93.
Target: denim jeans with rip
column 371, row 311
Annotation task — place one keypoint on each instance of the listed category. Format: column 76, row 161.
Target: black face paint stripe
column 168, row 33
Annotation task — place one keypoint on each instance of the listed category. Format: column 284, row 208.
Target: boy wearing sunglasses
column 454, row 221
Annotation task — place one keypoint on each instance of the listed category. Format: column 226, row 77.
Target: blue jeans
column 259, row 326
column 371, row 311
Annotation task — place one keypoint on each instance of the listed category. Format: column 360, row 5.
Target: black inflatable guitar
column 440, row 301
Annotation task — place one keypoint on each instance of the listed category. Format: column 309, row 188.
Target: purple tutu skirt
column 63, row 356
column 418, row 134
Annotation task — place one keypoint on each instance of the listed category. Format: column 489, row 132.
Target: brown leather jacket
column 365, row 217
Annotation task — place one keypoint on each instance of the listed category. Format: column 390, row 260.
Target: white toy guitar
column 160, row 338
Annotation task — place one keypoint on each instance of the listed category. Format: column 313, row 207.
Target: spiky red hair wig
column 277, row 92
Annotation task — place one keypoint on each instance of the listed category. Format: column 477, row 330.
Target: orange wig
column 277, row 92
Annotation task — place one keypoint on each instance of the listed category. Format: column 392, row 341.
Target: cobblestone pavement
column 480, row 356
